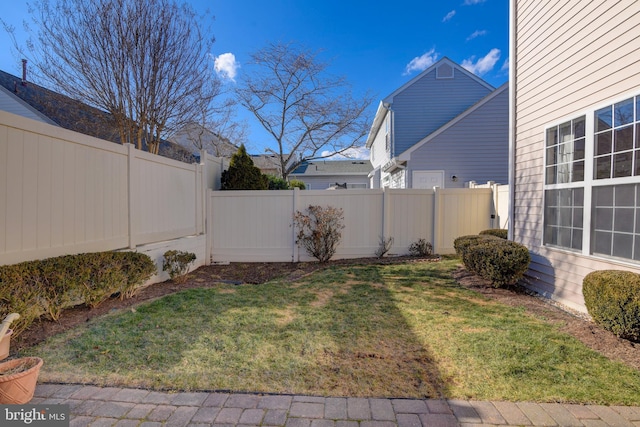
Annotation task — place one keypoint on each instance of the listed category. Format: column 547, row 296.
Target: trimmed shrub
column 498, row 232
column 177, row 264
column 319, row 230
column 502, row 262
column 277, row 183
column 460, row 244
column 296, row 183
column 420, row 248
column 612, row 298
column 47, row 287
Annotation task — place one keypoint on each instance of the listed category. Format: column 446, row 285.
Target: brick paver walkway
column 123, row 407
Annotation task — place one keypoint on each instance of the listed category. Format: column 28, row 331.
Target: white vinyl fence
column 258, row 225
column 62, row 192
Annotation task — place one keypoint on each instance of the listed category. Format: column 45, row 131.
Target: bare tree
column 307, row 111
column 144, row 62
column 218, row 133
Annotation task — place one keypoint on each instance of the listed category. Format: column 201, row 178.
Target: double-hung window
column 616, row 190
column 592, row 182
column 564, row 188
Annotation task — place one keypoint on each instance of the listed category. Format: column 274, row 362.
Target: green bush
column 296, row 183
column 46, row 287
column 277, row 183
column 498, row 232
column 177, row 264
column 612, row 298
column 243, row 174
column 502, row 262
column 461, row 243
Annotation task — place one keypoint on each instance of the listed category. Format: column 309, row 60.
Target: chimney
column 24, row 72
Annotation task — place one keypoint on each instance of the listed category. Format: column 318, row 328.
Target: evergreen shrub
column 612, row 298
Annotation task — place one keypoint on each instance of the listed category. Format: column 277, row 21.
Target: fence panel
column 60, row 192
column 257, row 225
column 251, row 226
column 459, row 212
column 164, row 198
column 363, row 216
column 410, row 218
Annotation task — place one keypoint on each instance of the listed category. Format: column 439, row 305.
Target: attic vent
column 444, row 71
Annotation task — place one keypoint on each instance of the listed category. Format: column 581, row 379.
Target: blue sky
column 377, row 45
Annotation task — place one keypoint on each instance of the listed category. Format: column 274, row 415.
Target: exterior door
column 427, row 179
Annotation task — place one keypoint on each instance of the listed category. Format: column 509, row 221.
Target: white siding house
column 443, row 128
column 335, row 174
column 575, row 140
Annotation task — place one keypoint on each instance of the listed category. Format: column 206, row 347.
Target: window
column 616, row 221
column 617, row 149
column 598, row 214
column 563, row 216
column 565, row 152
column 564, row 203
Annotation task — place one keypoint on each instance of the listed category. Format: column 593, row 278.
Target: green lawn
column 404, row 330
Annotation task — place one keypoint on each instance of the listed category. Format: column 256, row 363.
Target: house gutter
column 512, row 113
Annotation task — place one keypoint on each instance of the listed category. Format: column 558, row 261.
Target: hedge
column 502, row 262
column 612, row 298
column 46, row 287
column 498, row 232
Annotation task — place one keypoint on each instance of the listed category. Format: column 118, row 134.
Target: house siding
column 379, row 155
column 466, row 153
column 14, row 105
column 430, row 103
column 568, row 58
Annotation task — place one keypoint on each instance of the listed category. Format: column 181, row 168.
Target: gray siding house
column 333, row 174
column 575, row 141
column 443, row 128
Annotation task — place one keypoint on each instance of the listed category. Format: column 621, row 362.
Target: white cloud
column 448, row 16
column 354, row 153
column 226, row 66
column 482, row 65
column 477, row 33
column 421, row 63
column 505, row 66
column 472, row 2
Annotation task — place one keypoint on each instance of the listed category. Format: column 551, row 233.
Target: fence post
column 295, row 251
column 130, row 195
column 436, row 219
column 385, row 214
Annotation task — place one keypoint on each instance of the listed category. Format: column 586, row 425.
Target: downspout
column 512, row 113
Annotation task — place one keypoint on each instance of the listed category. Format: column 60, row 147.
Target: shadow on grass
column 337, row 332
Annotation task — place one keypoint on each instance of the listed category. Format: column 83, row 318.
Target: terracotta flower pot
column 4, row 344
column 18, row 378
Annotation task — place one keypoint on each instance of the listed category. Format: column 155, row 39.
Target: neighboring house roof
column 74, row 115
column 194, row 135
column 267, row 163
column 11, row 103
column 387, row 103
column 406, row 154
column 333, row 167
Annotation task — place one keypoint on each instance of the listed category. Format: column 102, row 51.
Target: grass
column 405, row 330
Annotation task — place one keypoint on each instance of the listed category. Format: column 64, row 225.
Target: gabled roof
column 74, row 115
column 333, row 167
column 387, row 102
column 13, row 104
column 389, row 99
column 405, row 155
